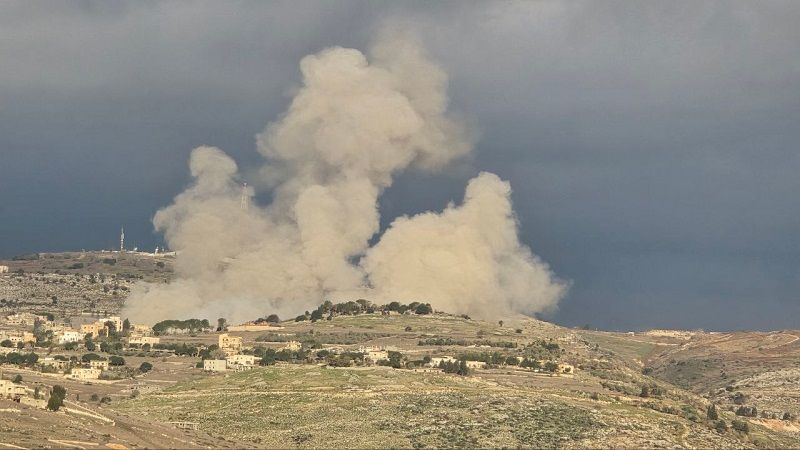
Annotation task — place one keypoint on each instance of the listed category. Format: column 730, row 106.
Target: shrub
column 711, row 412
column 720, row 426
column 741, row 425
column 145, row 367
column 17, row 379
column 116, row 361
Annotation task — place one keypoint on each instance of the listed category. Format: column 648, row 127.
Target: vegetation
column 57, row 396
column 189, row 325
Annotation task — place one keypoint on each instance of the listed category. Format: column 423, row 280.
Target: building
column 18, row 337
column 293, row 346
column 57, row 364
column 242, row 360
column 565, row 368
column 92, row 328
column 141, row 330
column 99, row 364
column 142, row 340
column 3, row 269
column 24, row 319
column 11, row 390
column 231, row 345
column 476, row 364
column 38, row 403
column 215, row 365
column 68, row 336
column 117, row 321
column 377, row 355
column 84, row 373
column 436, row 361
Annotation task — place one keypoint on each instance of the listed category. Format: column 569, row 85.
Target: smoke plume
column 355, row 124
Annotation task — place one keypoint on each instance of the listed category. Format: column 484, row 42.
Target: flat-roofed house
column 215, row 365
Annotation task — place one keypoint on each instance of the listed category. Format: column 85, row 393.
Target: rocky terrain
column 633, row 390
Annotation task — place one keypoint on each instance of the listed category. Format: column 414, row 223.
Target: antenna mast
column 244, row 202
column 122, row 239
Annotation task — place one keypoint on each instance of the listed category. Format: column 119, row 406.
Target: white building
column 476, row 364
column 215, row 365
column 68, row 336
column 142, row 340
column 242, row 360
column 3, row 269
column 84, row 373
column 9, row 389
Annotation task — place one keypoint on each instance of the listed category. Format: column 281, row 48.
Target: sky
column 652, row 147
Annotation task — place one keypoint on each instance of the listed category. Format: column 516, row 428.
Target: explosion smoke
column 349, row 130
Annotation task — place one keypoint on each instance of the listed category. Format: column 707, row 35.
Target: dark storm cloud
column 652, row 147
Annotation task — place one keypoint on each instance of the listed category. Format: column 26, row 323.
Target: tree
column 6, row 343
column 645, row 392
column 222, row 324
column 18, row 379
column 316, row 315
column 89, row 357
column 57, row 396
column 395, row 359
column 463, row 370
column 90, row 345
column 116, row 361
column 54, row 403
column 787, row 416
column 721, row 426
column 273, row 318
column 500, row 322
column 393, row 306
column 551, row 366
column 423, row 308
column 711, row 412
column 145, row 367
column 126, row 325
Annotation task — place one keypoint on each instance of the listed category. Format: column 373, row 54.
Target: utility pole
column 244, row 201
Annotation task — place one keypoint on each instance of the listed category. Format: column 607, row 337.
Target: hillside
column 531, row 383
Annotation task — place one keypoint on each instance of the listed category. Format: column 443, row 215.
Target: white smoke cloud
column 354, row 124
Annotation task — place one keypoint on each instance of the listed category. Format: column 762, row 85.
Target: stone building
column 231, row 345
